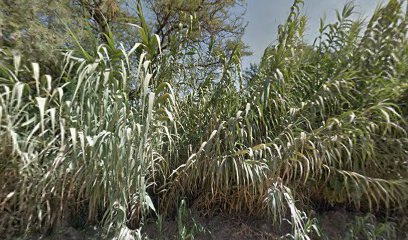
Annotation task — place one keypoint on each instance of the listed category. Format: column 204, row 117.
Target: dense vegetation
column 124, row 132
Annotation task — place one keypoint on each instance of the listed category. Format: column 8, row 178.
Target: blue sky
column 264, row 16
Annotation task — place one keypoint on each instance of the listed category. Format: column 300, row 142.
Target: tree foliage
column 206, row 20
column 38, row 29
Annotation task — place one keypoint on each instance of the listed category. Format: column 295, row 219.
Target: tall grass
column 79, row 140
column 316, row 124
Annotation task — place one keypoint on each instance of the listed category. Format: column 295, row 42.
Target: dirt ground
column 219, row 227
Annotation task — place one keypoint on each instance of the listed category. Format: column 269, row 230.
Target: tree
column 212, row 27
column 41, row 31
column 202, row 37
column 206, row 20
